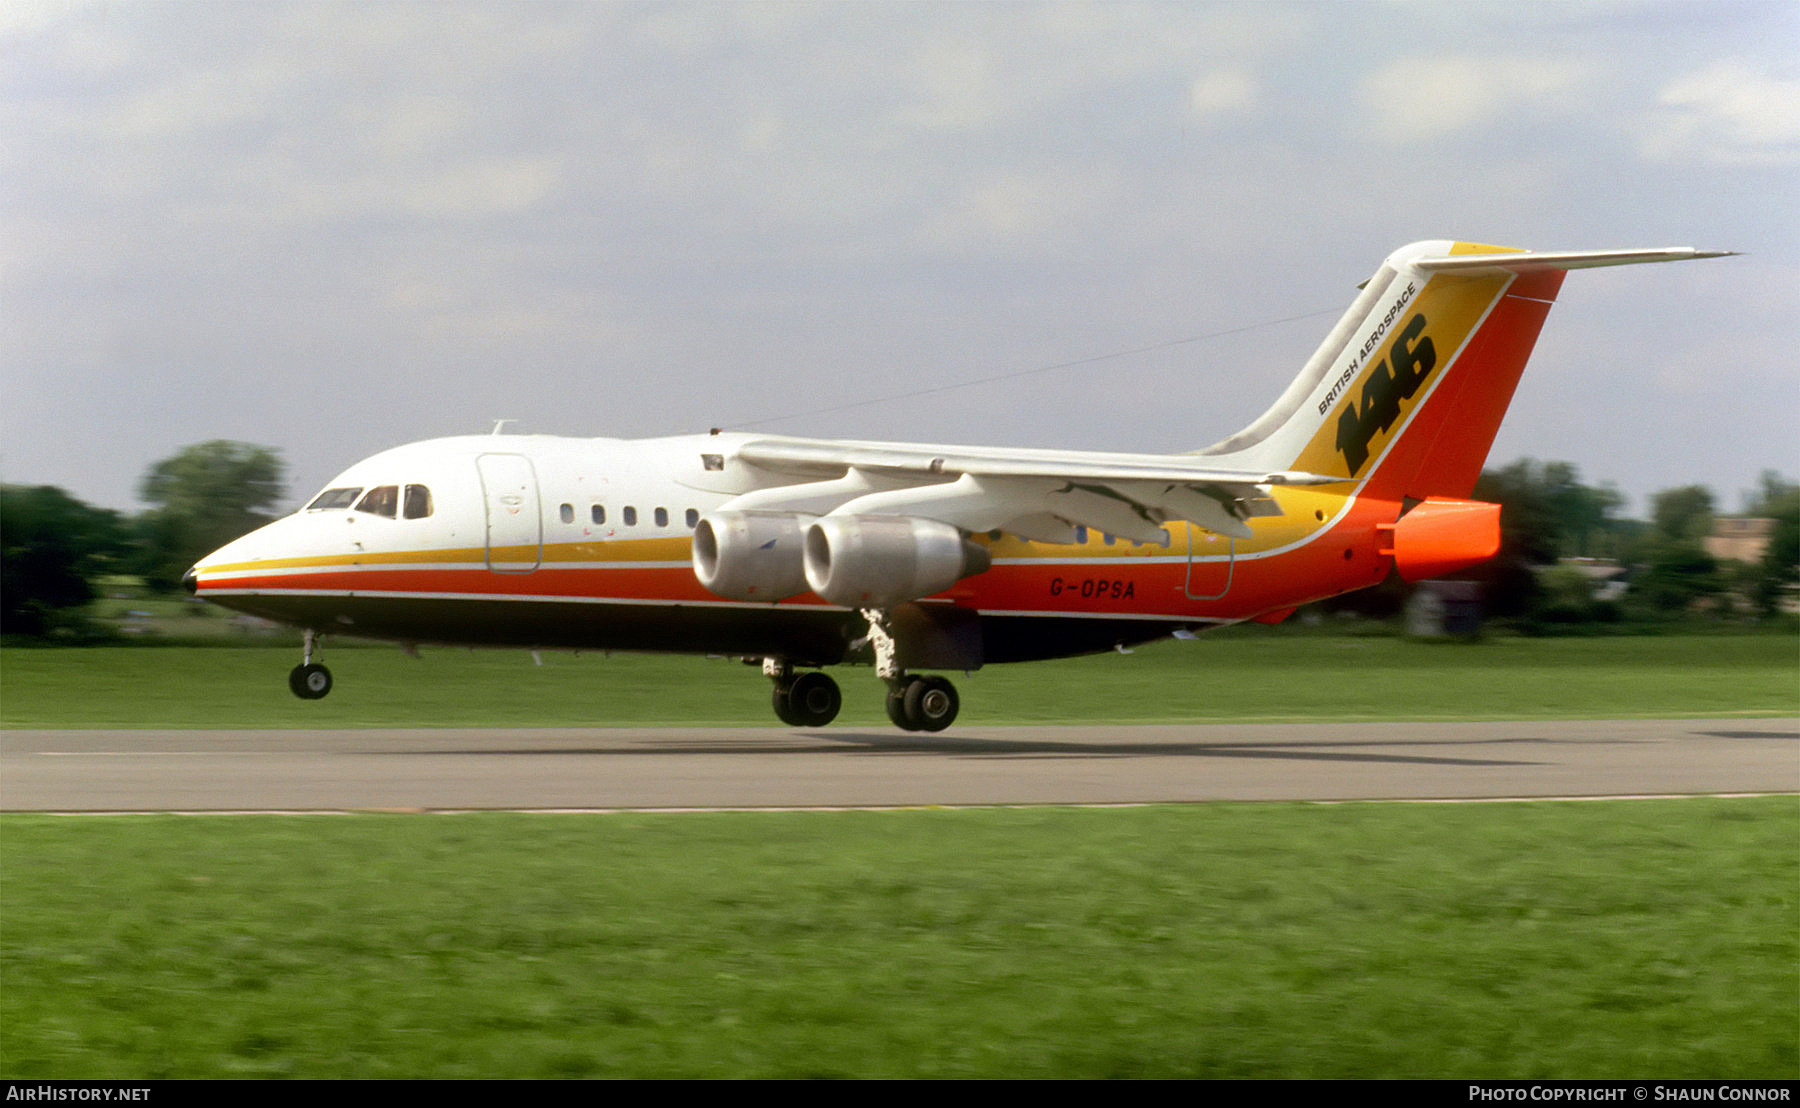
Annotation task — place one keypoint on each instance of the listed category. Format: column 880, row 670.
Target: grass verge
column 1231, row 676
column 1627, row 939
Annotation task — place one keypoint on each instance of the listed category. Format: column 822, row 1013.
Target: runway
column 702, row 768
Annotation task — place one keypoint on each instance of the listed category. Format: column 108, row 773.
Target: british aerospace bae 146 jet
column 806, row 553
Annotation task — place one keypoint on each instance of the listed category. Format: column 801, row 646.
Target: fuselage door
column 515, row 529
column 1211, row 576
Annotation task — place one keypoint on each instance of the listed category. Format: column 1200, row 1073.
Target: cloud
column 707, row 207
column 1729, row 113
column 1423, row 99
column 1020, row 207
column 954, row 87
column 1221, row 91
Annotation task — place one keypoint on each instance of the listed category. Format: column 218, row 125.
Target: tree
column 52, row 546
column 1546, row 513
column 1682, row 515
column 1777, row 575
column 205, row 496
column 1678, row 572
column 1676, row 576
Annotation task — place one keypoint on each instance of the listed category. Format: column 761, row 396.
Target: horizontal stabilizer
column 1524, row 261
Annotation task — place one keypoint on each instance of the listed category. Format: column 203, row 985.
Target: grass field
column 1228, row 676
column 1632, row 939
column 1627, row 939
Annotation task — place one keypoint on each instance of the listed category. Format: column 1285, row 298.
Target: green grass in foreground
column 1631, row 939
column 1228, row 676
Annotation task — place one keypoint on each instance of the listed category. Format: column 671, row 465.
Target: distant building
column 1607, row 576
column 1442, row 609
column 1739, row 538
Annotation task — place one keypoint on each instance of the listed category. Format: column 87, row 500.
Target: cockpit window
column 333, row 500
column 418, row 502
column 381, row 501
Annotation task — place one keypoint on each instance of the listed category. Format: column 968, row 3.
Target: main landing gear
column 917, row 703
column 803, row 699
column 309, row 680
column 914, row 702
column 812, row 699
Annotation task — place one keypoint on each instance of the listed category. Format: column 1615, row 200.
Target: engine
column 751, row 555
column 881, row 561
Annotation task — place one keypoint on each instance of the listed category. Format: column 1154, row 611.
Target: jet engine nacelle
column 751, row 555
column 881, row 561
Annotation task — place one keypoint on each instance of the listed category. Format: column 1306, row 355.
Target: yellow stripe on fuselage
column 668, row 549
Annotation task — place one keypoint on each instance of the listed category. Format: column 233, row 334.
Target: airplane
column 806, row 553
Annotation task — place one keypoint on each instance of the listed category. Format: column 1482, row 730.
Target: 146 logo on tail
column 1413, row 359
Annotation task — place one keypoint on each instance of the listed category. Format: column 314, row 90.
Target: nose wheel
column 309, row 680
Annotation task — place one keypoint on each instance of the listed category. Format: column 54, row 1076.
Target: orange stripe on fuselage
column 674, row 584
column 1137, row 580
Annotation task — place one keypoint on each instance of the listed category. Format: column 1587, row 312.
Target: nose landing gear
column 309, row 680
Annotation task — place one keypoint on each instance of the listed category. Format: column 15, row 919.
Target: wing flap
column 818, row 458
column 1039, row 495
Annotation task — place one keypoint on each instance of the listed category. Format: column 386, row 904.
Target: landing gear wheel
column 923, row 704
column 931, row 704
column 808, row 700
column 896, row 706
column 310, row 681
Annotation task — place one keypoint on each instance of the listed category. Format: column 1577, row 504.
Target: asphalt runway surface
column 700, row 768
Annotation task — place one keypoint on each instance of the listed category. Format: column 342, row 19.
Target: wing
column 1036, row 494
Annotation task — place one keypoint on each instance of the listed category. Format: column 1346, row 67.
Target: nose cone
column 223, row 565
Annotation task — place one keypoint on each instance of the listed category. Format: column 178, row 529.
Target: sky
column 334, row 228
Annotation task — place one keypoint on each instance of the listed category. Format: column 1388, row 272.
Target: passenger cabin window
column 333, row 500
column 567, row 512
column 662, row 517
column 630, row 517
column 693, row 518
column 418, row 502
column 599, row 513
column 381, row 501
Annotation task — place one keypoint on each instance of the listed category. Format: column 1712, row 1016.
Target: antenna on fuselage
column 500, row 425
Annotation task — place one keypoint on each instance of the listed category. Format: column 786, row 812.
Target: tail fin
column 1405, row 395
